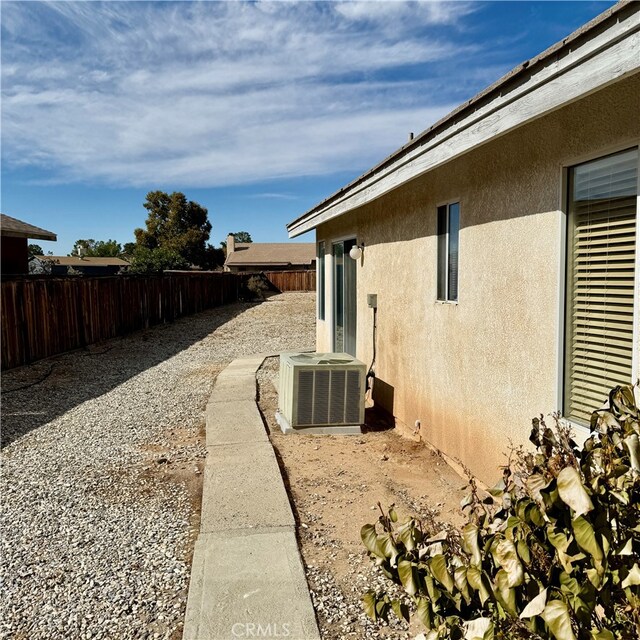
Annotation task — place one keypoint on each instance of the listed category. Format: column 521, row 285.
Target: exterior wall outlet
column 372, row 300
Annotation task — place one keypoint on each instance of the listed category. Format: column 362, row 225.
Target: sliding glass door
column 344, row 298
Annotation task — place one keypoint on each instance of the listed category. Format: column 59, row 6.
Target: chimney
column 231, row 244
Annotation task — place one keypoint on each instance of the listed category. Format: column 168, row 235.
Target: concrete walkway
column 247, row 578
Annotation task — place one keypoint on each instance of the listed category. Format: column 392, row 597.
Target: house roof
column 622, row 20
column 271, row 253
column 74, row 261
column 15, row 228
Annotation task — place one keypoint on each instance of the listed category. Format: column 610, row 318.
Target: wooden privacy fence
column 45, row 316
column 292, row 280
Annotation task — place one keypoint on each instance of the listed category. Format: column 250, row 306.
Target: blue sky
column 256, row 110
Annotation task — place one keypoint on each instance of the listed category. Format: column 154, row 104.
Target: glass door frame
column 346, row 307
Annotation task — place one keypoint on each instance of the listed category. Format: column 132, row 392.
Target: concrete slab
column 250, row 365
column 254, row 361
column 341, row 430
column 244, row 370
column 234, row 423
column 335, row 430
column 243, row 489
column 249, row 586
column 234, row 388
column 247, row 578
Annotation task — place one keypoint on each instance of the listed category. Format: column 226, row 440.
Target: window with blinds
column 600, row 280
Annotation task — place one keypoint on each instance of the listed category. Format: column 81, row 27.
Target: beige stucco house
column 501, row 244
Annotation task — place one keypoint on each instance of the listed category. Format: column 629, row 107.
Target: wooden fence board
column 45, row 316
column 292, row 280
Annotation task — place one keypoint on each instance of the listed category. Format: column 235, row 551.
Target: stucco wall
column 476, row 372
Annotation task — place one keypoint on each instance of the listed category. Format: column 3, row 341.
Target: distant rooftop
column 15, row 228
column 74, row 261
column 248, row 254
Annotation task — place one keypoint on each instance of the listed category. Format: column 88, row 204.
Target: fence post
column 82, row 340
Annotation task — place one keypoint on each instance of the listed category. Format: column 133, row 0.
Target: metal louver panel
column 354, row 393
column 305, row 397
column 600, row 280
column 321, row 397
column 336, row 410
column 329, row 395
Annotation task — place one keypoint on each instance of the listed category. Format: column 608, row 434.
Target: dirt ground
column 334, row 483
column 161, row 466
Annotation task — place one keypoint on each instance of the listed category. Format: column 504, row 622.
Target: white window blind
column 600, row 280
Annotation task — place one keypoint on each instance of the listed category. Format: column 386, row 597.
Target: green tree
column 240, row 236
column 97, row 248
column 35, row 250
column 176, row 225
column 128, row 248
column 107, row 249
column 156, row 260
column 214, row 258
column 81, row 247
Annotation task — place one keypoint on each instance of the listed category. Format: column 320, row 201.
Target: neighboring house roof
column 271, row 253
column 598, row 53
column 74, row 261
column 15, row 228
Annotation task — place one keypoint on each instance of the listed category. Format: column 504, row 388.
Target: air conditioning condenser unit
column 321, row 393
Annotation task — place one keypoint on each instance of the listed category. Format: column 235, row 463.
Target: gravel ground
column 101, row 472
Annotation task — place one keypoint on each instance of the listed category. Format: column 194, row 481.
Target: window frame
column 443, row 260
column 322, row 281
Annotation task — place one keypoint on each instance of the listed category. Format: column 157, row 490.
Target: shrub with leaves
column 257, row 287
column 551, row 553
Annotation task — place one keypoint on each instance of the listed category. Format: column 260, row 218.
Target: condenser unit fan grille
column 329, row 397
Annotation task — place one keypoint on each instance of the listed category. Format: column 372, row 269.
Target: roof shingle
column 75, row 261
column 272, row 253
column 18, row 229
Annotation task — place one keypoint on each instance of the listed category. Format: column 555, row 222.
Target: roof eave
column 31, row 235
column 602, row 33
column 259, row 264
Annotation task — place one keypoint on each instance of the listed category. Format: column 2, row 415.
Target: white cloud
column 210, row 94
column 271, row 195
column 431, row 12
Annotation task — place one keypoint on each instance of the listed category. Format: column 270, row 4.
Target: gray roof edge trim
column 484, row 98
column 31, row 235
